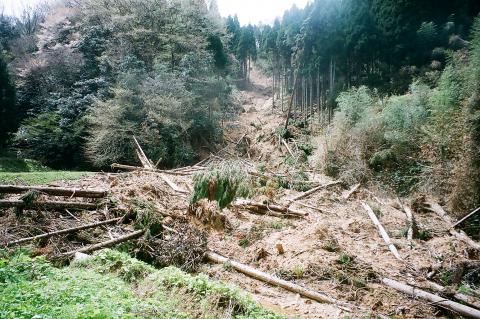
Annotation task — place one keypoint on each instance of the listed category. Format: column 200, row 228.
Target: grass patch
column 39, row 178
column 113, row 285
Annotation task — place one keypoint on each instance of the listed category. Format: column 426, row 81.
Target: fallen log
column 287, row 147
column 153, row 170
column 434, row 299
column 141, row 155
column 382, row 231
column 436, row 208
column 351, row 191
column 285, row 211
column 272, row 280
column 48, row 205
column 63, row 231
column 468, row 300
column 411, row 224
column 310, row 192
column 54, row 191
column 106, row 244
column 172, row 184
column 466, row 217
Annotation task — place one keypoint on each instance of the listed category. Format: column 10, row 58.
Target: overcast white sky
column 248, row 11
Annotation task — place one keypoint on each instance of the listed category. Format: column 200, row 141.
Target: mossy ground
column 114, row 285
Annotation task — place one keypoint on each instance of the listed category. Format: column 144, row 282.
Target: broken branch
column 436, row 208
column 310, row 192
column 48, row 205
column 64, row 231
column 55, row 191
column 382, row 231
column 105, row 244
column 434, row 299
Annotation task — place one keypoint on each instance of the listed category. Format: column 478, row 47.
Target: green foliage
column 48, row 140
column 40, row 178
column 346, row 259
column 107, row 285
column 223, row 183
column 16, row 165
column 8, row 113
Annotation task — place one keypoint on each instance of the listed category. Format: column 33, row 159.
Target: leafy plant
column 222, row 183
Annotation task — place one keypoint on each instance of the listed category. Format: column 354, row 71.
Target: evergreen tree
column 8, row 115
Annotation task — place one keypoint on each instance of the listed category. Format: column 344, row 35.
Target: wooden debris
column 141, row 155
column 275, row 210
column 411, row 223
column 48, row 205
column 287, row 147
column 436, row 208
column 468, row 300
column 434, row 299
column 54, row 191
column 313, row 190
column 352, row 191
column 138, row 168
column 257, row 274
column 105, row 244
column 64, row 231
column 382, row 231
column 466, row 217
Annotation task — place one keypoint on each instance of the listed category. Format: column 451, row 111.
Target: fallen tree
column 436, row 208
column 54, row 191
column 273, row 209
column 48, row 205
column 106, row 244
column 434, row 299
column 310, row 192
column 468, row 300
column 382, row 231
column 63, row 231
column 153, row 170
column 257, row 274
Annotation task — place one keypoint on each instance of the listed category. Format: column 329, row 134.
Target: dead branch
column 411, row 223
column 55, row 191
column 48, row 205
column 434, row 299
column 436, row 208
column 382, row 231
column 172, row 184
column 105, row 244
column 141, row 155
column 351, row 191
column 466, row 217
column 143, row 169
column 257, row 207
column 310, row 192
column 63, row 231
column 468, row 300
column 287, row 147
column 260, row 275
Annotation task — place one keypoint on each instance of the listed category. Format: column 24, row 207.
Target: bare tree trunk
column 105, row 244
column 47, row 205
column 64, row 231
column 54, row 191
column 434, row 299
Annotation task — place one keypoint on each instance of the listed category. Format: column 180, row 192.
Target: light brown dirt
column 336, row 230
